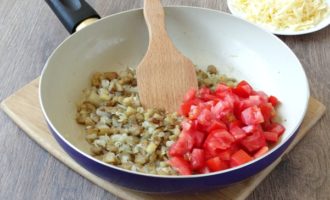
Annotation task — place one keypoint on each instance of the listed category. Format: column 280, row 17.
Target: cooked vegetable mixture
column 122, row 133
column 219, row 126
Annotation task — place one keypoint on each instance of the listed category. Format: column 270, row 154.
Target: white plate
column 323, row 24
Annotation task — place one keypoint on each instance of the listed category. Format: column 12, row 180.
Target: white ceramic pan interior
column 238, row 48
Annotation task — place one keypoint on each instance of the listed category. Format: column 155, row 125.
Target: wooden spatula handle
column 155, row 17
column 164, row 75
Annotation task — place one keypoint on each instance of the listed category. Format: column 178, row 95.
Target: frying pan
column 238, row 48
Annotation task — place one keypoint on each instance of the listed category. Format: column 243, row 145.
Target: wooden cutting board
column 23, row 107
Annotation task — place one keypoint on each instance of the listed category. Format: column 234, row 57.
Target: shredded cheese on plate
column 295, row 15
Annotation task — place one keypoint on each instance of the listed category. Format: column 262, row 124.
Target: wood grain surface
column 164, row 75
column 29, row 32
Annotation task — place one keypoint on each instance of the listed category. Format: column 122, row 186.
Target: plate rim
column 318, row 27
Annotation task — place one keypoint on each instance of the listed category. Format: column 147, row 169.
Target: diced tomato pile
column 224, row 128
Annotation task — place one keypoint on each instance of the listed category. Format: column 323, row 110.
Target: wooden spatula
column 164, row 74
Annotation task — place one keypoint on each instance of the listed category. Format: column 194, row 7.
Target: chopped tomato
column 180, row 165
column 239, row 106
column 222, row 108
column 205, row 94
column 252, row 115
column 204, row 170
column 205, row 117
column 264, row 97
column 198, row 137
column 229, row 118
column 261, row 152
column 185, row 107
column 216, row 164
column 243, row 89
column 271, row 136
column 273, row 100
column 203, row 91
column 197, row 159
column 194, row 112
column 222, row 88
column 224, row 128
column 190, row 95
column 231, row 99
column 276, row 127
column 254, row 142
column 239, row 158
column 249, row 129
column 267, row 110
column 218, row 140
column 209, row 154
column 224, row 155
column 236, row 131
column 186, row 125
column 216, row 124
column 183, row 145
column 254, row 100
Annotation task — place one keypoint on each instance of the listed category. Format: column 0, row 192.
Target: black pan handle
column 72, row 12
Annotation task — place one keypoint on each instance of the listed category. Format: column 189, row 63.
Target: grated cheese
column 295, row 15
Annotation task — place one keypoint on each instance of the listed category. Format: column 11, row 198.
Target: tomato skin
column 254, row 142
column 204, row 170
column 263, row 96
column 211, row 103
column 197, row 159
column 180, row 165
column 229, row 118
column 254, row 100
column 275, row 127
column 236, row 131
column 190, row 95
column 226, row 154
column 246, row 103
column 231, row 99
column 216, row 124
column 216, row 164
column 239, row 158
column 204, row 91
column 271, row 136
column 205, row 117
column 177, row 149
column 268, row 111
column 239, row 106
column 205, row 94
column 221, row 109
column 221, row 88
column 218, row 140
column 261, row 152
column 187, row 125
column 185, row 107
column 252, row 115
column 249, row 129
column 209, row 97
column 198, row 137
column 194, row 112
column 243, row 89
column 273, row 100
column 209, row 154
column 183, row 145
